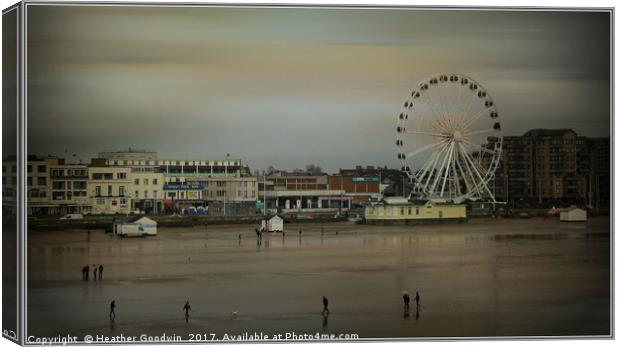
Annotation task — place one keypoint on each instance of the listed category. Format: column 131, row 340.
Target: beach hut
column 573, row 214
column 274, row 224
column 135, row 226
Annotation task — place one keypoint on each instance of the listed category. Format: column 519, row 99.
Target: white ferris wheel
column 449, row 139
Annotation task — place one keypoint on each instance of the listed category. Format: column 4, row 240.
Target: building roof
column 547, row 132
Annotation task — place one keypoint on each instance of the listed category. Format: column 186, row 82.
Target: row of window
column 121, row 192
column 69, row 173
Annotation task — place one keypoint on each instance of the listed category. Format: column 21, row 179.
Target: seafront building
column 399, row 210
column 547, row 165
column 541, row 167
column 301, row 194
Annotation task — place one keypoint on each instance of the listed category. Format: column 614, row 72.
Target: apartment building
column 553, row 165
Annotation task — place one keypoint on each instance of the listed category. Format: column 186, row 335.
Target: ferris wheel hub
column 457, row 136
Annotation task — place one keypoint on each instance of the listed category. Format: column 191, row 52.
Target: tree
column 313, row 169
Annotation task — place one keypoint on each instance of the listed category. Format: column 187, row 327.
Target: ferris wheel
column 449, row 139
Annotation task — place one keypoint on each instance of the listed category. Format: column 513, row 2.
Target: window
column 154, row 194
column 42, row 168
column 29, row 181
column 100, row 201
column 417, row 211
column 114, row 202
column 123, row 202
column 58, row 185
column 98, row 191
column 154, row 181
column 146, row 181
column 136, row 181
column 409, row 211
column 121, row 191
column 121, row 175
column 146, row 194
column 137, row 194
column 109, row 190
column 41, row 181
column 29, row 167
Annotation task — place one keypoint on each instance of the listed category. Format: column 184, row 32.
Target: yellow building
column 398, row 210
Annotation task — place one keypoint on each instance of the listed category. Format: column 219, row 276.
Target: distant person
column 100, row 272
column 187, row 308
column 94, row 272
column 325, row 303
column 406, row 299
column 86, row 271
column 112, row 307
column 417, row 300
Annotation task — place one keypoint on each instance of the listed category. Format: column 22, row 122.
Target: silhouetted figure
column 325, row 322
column 85, row 273
column 406, row 312
column 100, row 272
column 187, row 308
column 325, row 309
column 94, row 272
column 406, row 299
column 417, row 300
column 417, row 313
column 112, row 307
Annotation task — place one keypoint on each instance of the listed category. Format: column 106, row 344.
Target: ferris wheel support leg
column 445, row 177
column 433, row 168
column 442, row 167
column 469, row 170
column 483, row 182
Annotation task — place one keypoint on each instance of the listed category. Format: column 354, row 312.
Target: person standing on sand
column 325, row 309
column 417, row 300
column 406, row 299
column 100, row 272
column 95, row 272
column 187, row 308
column 112, row 307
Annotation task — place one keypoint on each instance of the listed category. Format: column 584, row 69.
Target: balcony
column 200, row 174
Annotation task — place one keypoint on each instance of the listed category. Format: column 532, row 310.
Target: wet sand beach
column 511, row 277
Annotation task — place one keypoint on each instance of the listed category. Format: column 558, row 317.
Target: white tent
column 574, row 214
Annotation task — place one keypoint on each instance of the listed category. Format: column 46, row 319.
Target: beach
column 487, row 277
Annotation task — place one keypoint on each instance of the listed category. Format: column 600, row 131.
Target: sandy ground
column 534, row 277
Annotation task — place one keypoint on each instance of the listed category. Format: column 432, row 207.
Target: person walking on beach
column 417, row 300
column 100, row 272
column 112, row 307
column 406, row 299
column 325, row 309
column 187, row 308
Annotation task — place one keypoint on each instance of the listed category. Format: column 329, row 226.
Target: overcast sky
column 289, row 87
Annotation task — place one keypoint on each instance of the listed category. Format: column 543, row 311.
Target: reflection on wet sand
column 484, row 278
